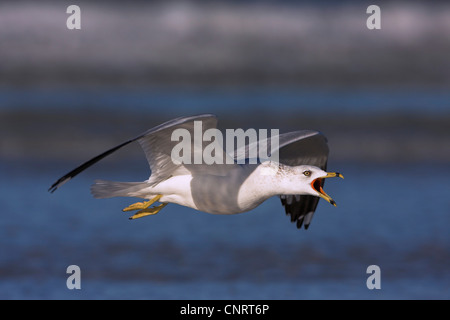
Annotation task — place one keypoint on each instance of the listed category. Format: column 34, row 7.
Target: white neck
column 264, row 182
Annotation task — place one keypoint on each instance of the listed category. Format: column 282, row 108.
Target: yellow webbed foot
column 148, row 211
column 142, row 205
column 144, row 208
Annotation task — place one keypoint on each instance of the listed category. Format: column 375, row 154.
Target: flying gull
column 225, row 188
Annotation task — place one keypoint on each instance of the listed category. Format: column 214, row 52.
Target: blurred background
column 380, row 96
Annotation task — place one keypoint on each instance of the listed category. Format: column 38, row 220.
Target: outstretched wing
column 158, row 145
column 302, row 148
column 189, row 140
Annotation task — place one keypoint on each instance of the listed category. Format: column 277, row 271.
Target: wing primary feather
column 96, row 159
column 58, row 183
column 300, row 222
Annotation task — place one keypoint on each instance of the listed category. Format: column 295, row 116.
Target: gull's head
column 308, row 180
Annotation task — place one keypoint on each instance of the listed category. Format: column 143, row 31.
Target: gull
column 229, row 188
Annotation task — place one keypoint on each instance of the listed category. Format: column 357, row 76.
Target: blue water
column 344, row 101
column 393, row 216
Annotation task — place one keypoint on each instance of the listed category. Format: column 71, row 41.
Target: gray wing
column 302, row 148
column 157, row 146
column 296, row 148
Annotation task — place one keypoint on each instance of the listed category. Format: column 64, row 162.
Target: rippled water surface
column 393, row 216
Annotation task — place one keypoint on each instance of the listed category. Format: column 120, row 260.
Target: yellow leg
column 142, row 205
column 148, row 211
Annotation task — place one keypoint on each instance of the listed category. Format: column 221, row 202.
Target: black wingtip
column 53, row 187
column 58, row 184
column 299, row 223
column 86, row 165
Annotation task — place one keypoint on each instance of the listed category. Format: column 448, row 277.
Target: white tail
column 107, row 189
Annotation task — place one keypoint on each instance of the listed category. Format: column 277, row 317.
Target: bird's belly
column 176, row 190
column 208, row 193
column 221, row 195
column 178, row 199
column 209, row 203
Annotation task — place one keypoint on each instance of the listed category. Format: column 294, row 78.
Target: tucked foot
column 148, row 211
column 142, row 205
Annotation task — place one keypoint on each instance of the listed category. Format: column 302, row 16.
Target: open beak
column 318, row 183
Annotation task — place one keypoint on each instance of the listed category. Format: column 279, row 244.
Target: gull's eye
column 307, row 173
